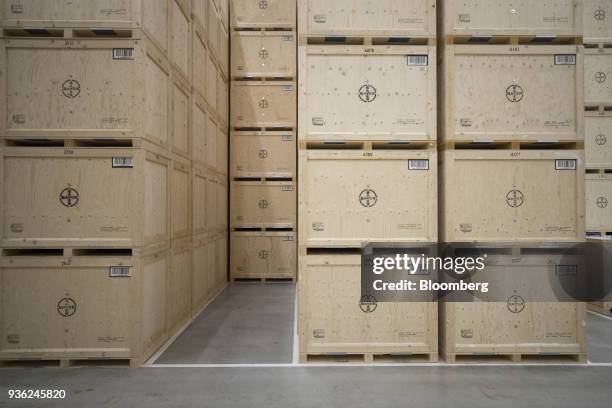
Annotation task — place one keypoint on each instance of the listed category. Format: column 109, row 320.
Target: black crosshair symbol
column 368, row 198
column 263, row 54
column 368, row 304
column 263, row 154
column 71, row 88
column 69, row 197
column 600, row 14
column 263, row 204
column 263, row 4
column 601, row 139
column 367, row 93
column 263, row 254
column 66, row 307
column 515, row 93
column 601, row 77
column 602, row 202
column 516, row 304
column 515, row 198
column 263, row 104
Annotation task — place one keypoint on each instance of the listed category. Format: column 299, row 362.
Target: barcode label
column 120, row 272
column 565, row 165
column 287, row 38
column 123, row 53
column 287, row 138
column 288, row 88
column 123, row 162
column 418, row 164
column 287, row 188
column 288, row 238
column 567, row 270
column 569, row 59
column 418, row 60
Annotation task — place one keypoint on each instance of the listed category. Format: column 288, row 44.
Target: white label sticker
column 120, row 272
column 565, row 164
column 288, row 88
column 567, row 270
column 123, row 53
column 287, row 38
column 569, row 59
column 418, row 60
column 123, row 162
column 287, row 138
column 418, row 164
column 288, row 238
column 287, row 188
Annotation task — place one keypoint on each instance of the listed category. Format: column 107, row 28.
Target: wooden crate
column 263, row 54
column 221, row 253
column 212, row 188
column 205, row 282
column 263, row 255
column 211, row 82
column 598, row 190
column 212, row 136
column 598, row 140
column 199, row 127
column 199, row 13
column 396, row 18
column 84, row 196
column 597, row 21
column 477, row 329
column 180, row 36
column 181, row 117
column 87, row 90
column 179, row 285
column 181, row 199
column 263, row 104
column 200, row 61
column 222, row 205
column 270, row 204
column 510, row 195
column 263, row 14
column 598, row 77
column 222, row 149
column 198, row 200
column 331, row 321
column 222, row 99
column 518, row 92
column 263, row 154
column 377, row 93
column 507, row 17
column 224, row 11
column 224, row 51
column 151, row 16
column 76, row 309
column 347, row 197
column 213, row 28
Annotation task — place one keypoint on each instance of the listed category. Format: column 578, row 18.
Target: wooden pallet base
column 515, row 358
column 600, row 108
column 599, row 234
column 264, row 279
column 600, row 170
column 262, row 129
column 365, row 40
column 68, row 363
column 512, row 39
column 368, row 358
column 512, row 145
column 262, row 27
column 55, row 32
column 367, row 145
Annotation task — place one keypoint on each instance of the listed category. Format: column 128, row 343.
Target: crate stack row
column 512, row 165
column 263, row 210
column 367, row 162
column 598, row 126
column 114, row 190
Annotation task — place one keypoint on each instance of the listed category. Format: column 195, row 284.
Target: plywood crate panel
column 506, row 195
column 199, row 12
column 222, row 99
column 224, row 51
column 212, row 189
column 348, row 197
column 84, row 88
column 199, row 60
column 198, row 203
column 598, row 140
column 379, row 93
column 77, row 309
column 332, row 322
column 263, row 14
column 512, row 92
column 598, row 76
column 181, row 199
column 213, row 28
column 224, row 11
column 211, row 82
column 221, row 261
column 266, row 255
column 263, row 205
column 212, row 138
column 506, row 17
column 199, row 128
column 222, row 150
column 597, row 21
column 203, row 285
column 222, row 205
column 598, row 202
column 263, row 104
column 181, row 117
column 494, row 328
column 179, row 285
column 602, row 253
column 263, row 54
column 180, row 36
column 151, row 15
column 84, row 196
column 260, row 154
column 393, row 18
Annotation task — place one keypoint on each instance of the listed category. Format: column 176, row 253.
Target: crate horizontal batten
column 512, row 92
column 598, row 77
column 263, row 154
column 257, row 204
column 248, row 14
column 597, row 21
column 350, row 197
column 349, row 92
column 394, row 18
column 263, row 104
column 598, row 190
column 598, row 140
column 506, row 195
column 85, row 197
column 263, row 255
column 332, row 321
column 180, row 36
column 106, row 306
column 264, row 54
column 507, row 17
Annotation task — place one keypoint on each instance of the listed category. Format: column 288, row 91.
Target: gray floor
column 247, row 324
column 599, row 339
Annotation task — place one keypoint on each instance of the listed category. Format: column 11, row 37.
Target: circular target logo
column 263, row 204
column 69, row 197
column 263, row 254
column 601, row 77
column 367, row 93
column 368, row 198
column 601, row 139
column 516, row 304
column 602, row 202
column 263, row 4
column 66, row 307
column 515, row 198
column 263, row 154
column 263, row 104
column 71, row 88
column 368, row 304
column 515, row 93
column 600, row 14
column 264, row 54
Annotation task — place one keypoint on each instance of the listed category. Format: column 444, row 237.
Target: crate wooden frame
column 257, row 54
column 598, row 193
column 597, row 30
column 279, row 195
column 275, row 256
column 276, row 106
column 256, row 154
column 597, row 77
column 246, row 14
column 598, row 140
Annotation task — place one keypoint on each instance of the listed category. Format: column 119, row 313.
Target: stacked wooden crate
column 367, row 171
column 104, row 133
column 263, row 143
column 598, row 123
column 511, row 121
